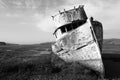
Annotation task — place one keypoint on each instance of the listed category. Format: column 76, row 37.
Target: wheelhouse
column 60, row 31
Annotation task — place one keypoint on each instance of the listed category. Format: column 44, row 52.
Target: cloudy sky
column 29, row 21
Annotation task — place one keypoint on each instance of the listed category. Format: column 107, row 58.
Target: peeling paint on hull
column 79, row 46
column 86, row 56
column 81, row 43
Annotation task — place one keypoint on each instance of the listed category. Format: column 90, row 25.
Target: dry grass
column 33, row 62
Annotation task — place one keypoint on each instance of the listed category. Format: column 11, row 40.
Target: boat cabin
column 60, row 31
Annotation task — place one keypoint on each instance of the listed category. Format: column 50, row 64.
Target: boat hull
column 86, row 56
column 80, row 45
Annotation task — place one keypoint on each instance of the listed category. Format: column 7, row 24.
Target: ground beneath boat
column 32, row 62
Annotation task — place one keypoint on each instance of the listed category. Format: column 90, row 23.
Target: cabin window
column 74, row 25
column 63, row 29
column 58, row 33
column 78, row 23
column 68, row 27
column 81, row 22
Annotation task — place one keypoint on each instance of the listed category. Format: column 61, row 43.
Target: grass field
column 33, row 62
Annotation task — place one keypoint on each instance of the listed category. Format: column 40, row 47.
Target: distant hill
column 112, row 41
column 48, row 44
column 3, row 43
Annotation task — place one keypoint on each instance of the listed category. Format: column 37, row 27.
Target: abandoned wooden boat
column 78, row 38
